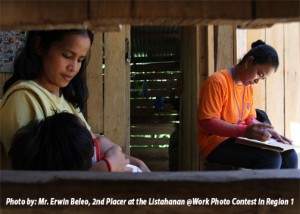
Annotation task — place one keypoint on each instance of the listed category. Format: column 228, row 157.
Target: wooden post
column 95, row 86
column 206, row 67
column 210, row 49
column 196, row 46
column 117, row 89
column 188, row 125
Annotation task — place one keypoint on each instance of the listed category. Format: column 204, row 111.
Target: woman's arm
column 139, row 163
column 115, row 161
column 113, row 155
column 225, row 129
column 271, row 131
column 107, row 147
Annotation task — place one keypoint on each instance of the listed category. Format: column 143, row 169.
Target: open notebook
column 271, row 144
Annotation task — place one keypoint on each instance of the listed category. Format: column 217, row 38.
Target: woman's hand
column 257, row 131
column 279, row 137
column 139, row 163
column 108, row 148
column 117, row 159
column 143, row 167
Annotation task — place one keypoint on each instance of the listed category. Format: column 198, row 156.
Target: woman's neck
column 236, row 73
column 49, row 87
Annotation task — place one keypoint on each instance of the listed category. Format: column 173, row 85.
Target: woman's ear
column 249, row 61
column 38, row 47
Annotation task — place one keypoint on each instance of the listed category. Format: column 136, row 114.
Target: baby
column 58, row 142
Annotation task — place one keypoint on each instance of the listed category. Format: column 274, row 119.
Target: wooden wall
column 279, row 96
column 117, row 89
column 108, row 107
column 95, row 106
column 291, row 81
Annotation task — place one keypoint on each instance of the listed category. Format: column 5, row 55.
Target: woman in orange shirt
column 226, row 111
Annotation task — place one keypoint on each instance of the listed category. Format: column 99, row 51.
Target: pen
column 266, row 132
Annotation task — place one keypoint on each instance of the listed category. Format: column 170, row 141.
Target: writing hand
column 257, row 131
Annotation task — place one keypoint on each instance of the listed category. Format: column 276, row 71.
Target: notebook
column 271, row 144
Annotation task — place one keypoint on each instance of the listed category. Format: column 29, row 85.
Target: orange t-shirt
column 217, row 101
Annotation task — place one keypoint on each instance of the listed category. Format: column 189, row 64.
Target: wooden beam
column 107, row 15
column 229, row 185
column 267, row 13
column 246, row 13
column 170, row 12
column 40, row 14
column 117, row 89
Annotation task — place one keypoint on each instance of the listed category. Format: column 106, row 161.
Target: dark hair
column 262, row 54
column 58, row 142
column 28, row 65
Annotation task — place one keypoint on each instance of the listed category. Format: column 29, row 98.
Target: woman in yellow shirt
column 49, row 77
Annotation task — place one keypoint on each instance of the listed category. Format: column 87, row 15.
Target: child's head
column 57, row 57
column 58, row 142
